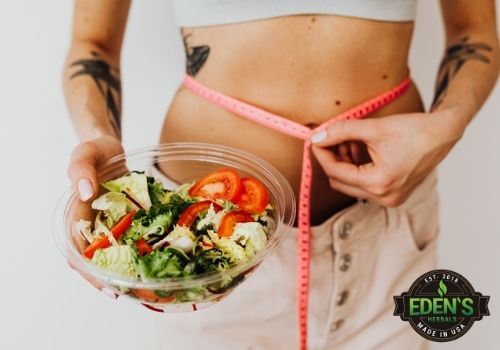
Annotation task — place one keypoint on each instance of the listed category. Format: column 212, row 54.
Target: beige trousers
column 361, row 258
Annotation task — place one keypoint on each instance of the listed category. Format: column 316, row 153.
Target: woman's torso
column 307, row 68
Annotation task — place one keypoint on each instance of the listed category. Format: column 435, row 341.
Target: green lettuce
column 156, row 220
column 134, row 185
column 161, row 264
column 182, row 238
column 175, row 203
column 231, row 249
column 145, row 226
column 256, row 243
column 210, row 260
column 120, row 259
column 251, row 235
column 190, row 294
column 226, row 205
column 113, row 205
column 181, row 191
column 156, row 191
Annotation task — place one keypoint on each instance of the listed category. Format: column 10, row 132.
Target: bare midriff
column 306, row 68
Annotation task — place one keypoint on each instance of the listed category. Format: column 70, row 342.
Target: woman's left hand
column 404, row 149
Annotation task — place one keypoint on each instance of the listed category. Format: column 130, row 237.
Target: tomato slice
column 222, row 183
column 143, row 246
column 152, row 296
column 255, row 197
column 189, row 215
column 229, row 220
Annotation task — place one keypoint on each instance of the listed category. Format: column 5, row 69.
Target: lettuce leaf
column 175, row 202
column 211, row 220
column 102, row 230
column 160, row 264
column 120, row 259
column 210, row 260
column 181, row 192
column 156, row 191
column 232, row 250
column 134, row 185
column 154, row 222
column 251, row 235
column 144, row 226
column 181, row 238
column 255, row 244
column 113, row 205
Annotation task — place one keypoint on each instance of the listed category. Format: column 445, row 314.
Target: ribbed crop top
column 197, row 13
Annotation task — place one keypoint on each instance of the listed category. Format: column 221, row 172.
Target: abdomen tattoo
column 196, row 56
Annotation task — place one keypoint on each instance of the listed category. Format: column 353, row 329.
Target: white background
column 45, row 305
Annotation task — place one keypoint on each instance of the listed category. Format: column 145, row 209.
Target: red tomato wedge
column 189, row 215
column 151, row 296
column 143, row 247
column 255, row 197
column 222, row 183
column 118, row 230
column 229, row 220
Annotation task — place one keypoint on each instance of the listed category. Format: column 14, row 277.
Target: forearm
column 467, row 75
column 93, row 90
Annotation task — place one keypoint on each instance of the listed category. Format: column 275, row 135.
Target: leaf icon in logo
column 442, row 290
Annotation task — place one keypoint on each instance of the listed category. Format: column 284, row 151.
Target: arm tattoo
column 455, row 57
column 196, row 56
column 108, row 82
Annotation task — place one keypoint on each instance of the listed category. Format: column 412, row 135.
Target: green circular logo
column 441, row 305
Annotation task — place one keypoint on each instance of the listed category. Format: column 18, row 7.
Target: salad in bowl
column 178, row 247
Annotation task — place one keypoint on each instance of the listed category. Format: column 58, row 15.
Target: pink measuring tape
column 300, row 131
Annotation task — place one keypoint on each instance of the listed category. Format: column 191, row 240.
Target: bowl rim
column 77, row 261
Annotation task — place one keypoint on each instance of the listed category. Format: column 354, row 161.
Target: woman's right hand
column 85, row 160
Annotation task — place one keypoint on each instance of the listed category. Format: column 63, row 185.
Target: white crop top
column 197, row 13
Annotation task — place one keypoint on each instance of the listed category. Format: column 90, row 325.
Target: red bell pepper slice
column 189, row 215
column 143, row 247
column 118, row 230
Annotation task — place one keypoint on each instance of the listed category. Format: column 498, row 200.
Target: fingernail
column 85, row 189
column 319, row 136
column 109, row 293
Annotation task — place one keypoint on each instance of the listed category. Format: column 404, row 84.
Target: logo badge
column 441, row 305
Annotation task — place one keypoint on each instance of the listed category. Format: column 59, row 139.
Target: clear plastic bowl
column 180, row 162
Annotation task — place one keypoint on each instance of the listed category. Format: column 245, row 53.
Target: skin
column 292, row 84
column 303, row 68
column 406, row 147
